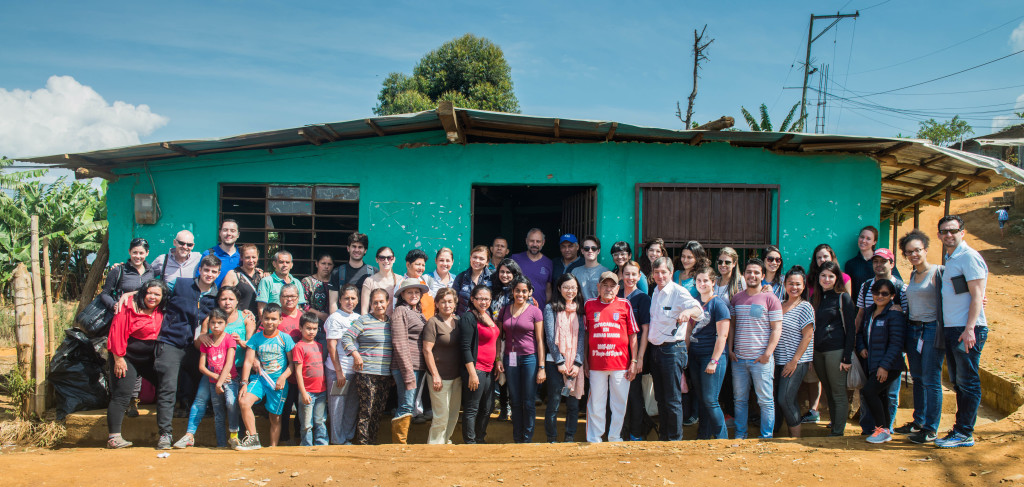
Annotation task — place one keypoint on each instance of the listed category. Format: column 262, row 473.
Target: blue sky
column 219, row 68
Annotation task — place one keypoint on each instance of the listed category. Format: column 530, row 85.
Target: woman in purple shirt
column 522, row 327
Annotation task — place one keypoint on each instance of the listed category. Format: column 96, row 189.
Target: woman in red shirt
column 478, row 336
column 132, row 343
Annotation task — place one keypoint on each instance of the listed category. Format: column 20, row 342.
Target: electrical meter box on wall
column 147, row 211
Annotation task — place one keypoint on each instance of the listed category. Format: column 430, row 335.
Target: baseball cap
column 885, row 254
column 568, row 238
column 609, row 275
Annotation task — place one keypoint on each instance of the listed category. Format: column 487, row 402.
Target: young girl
column 217, row 362
column 342, row 409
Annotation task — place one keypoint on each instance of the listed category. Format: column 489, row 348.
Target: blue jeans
column 406, row 398
column 963, row 373
column 926, row 370
column 867, row 420
column 225, row 404
column 747, row 374
column 667, row 363
column 522, row 396
column 708, row 387
column 314, row 419
column 554, row 383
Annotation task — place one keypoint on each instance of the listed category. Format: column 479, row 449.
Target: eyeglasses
column 725, row 262
column 289, row 297
column 385, row 258
column 481, row 298
column 882, row 294
column 915, row 251
column 772, row 259
column 589, row 248
column 183, row 244
column 950, row 231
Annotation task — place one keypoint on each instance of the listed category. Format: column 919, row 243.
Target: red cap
column 886, row 254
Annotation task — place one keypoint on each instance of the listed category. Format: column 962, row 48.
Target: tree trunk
column 721, row 123
column 39, row 334
column 23, row 332
column 47, row 291
column 95, row 273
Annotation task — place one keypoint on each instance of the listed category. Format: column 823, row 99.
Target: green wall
column 417, row 195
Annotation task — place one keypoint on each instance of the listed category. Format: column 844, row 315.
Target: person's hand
column 220, row 386
column 845, row 367
column 250, row 319
column 897, row 307
column 967, row 337
column 541, row 376
column 533, row 301
column 120, row 367
column 764, row 358
column 767, row 288
column 305, row 398
column 561, row 369
column 357, row 362
column 127, row 299
column 984, row 301
column 788, row 369
column 280, row 383
column 410, row 387
column 732, row 356
column 501, row 367
column 237, row 338
column 572, row 371
column 340, row 381
column 436, row 383
column 474, row 382
column 711, row 368
column 882, row 374
column 864, row 353
column 205, row 340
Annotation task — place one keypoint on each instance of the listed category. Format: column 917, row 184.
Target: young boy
column 307, row 357
column 272, row 350
column 217, row 363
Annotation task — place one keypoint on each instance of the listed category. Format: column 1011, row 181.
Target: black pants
column 189, row 377
column 122, row 390
column 292, row 400
column 876, row 395
column 476, row 407
column 167, row 365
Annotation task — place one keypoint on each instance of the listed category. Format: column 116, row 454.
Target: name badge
column 512, row 362
column 880, row 323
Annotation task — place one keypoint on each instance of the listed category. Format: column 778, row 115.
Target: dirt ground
column 996, row 459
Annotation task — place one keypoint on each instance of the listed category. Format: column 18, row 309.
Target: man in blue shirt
column 571, row 258
column 225, row 250
column 964, row 326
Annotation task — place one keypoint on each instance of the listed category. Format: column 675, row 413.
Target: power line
column 876, row 5
column 944, row 76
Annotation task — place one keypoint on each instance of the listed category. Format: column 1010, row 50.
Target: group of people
column 716, row 341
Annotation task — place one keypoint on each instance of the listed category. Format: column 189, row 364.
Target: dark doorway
column 511, row 211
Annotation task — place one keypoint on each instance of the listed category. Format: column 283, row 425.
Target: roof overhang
column 913, row 171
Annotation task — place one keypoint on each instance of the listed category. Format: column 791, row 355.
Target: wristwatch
column 713, row 361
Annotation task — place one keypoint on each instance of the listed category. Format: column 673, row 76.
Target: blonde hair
column 733, row 282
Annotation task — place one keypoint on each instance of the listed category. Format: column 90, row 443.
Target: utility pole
column 807, row 60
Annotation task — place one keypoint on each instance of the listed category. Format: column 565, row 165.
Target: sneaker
column 690, row 421
column 955, row 440
column 164, row 443
column 908, row 429
column 635, row 438
column 812, row 416
column 116, row 442
column 419, row 419
column 185, row 442
column 250, row 442
column 881, row 435
column 922, row 437
column 133, row 408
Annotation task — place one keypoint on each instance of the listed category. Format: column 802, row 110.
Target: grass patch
column 45, row 434
column 63, row 315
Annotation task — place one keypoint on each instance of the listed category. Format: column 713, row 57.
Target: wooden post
column 949, row 196
column 917, row 216
column 47, row 289
column 895, row 234
column 93, row 279
column 40, row 327
column 23, row 331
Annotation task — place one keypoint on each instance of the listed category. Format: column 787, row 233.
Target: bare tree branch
column 698, row 55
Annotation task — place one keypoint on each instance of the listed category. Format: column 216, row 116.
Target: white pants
column 445, row 406
column 603, row 383
column 342, row 410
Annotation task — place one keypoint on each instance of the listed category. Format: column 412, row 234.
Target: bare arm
column 977, row 289
column 332, row 301
column 773, row 341
column 538, row 338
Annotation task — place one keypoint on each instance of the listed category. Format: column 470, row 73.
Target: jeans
column 554, row 383
column 476, row 407
column 166, row 364
column 708, row 387
column 963, row 373
column 522, row 396
column 342, row 410
column 314, row 419
column 747, row 374
column 833, row 383
column 786, row 389
column 444, row 405
column 605, row 385
column 667, row 363
column 926, row 370
column 406, row 397
column 867, row 419
column 225, row 404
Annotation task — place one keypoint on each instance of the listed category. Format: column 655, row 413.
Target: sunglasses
column 183, row 244
column 773, row 259
column 882, row 294
column 589, row 248
column 725, row 262
column 385, row 258
column 950, row 231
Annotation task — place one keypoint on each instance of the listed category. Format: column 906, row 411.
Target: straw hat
column 410, row 283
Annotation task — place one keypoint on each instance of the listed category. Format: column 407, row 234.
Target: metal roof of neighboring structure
column 913, row 171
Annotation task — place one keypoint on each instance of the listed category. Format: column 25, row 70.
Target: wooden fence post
column 23, row 330
column 47, row 290
column 40, row 326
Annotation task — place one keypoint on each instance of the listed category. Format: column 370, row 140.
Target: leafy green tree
column 765, row 125
column 469, row 71
column 944, row 133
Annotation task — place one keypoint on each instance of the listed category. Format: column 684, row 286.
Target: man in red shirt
column 611, row 358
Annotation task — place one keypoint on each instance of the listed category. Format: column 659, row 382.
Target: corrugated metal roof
column 912, row 170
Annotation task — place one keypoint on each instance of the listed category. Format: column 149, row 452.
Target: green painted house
column 456, row 178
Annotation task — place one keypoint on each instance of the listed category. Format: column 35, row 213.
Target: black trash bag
column 78, row 374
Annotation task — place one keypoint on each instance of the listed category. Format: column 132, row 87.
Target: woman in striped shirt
column 368, row 341
column 795, row 352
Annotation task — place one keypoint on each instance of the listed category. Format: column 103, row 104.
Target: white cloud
column 1017, row 37
column 1000, row 122
column 67, row 116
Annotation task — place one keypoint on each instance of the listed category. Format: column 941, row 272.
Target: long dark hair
column 777, row 278
column 700, row 258
column 645, row 262
column 813, row 269
column 140, row 296
column 837, row 288
column 557, row 302
column 517, row 273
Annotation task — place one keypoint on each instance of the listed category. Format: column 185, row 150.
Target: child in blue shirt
column 268, row 356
